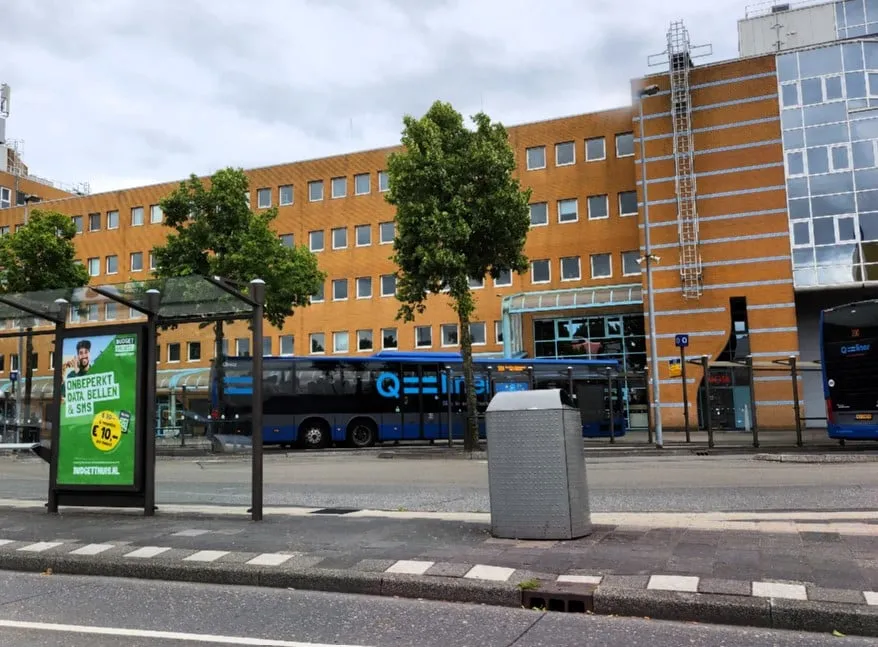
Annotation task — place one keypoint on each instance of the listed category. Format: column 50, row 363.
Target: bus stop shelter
column 154, row 304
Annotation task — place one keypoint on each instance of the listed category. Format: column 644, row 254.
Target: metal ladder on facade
column 681, row 113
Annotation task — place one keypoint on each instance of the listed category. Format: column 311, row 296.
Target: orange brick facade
column 740, row 171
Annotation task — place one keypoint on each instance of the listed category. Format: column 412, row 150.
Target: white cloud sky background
column 122, row 93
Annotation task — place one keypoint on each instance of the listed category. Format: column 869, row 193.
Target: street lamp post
column 648, row 91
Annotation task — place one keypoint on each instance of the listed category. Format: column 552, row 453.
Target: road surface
column 621, row 484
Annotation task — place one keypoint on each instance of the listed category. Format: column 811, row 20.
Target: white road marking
column 3, row 542
column 684, row 583
column 205, row 556
column 778, row 590
column 580, row 579
column 491, row 573
column 163, row 635
column 270, row 559
column 193, row 532
column 40, row 546
column 871, row 597
column 92, row 549
column 410, row 567
column 147, row 551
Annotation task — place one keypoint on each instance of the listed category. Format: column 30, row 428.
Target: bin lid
column 529, row 400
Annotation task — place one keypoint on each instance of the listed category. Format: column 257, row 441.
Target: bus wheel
column 314, row 434
column 362, row 433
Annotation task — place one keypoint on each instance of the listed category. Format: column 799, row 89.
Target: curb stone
column 737, row 610
column 818, row 458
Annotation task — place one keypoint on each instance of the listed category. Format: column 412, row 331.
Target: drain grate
column 558, row 598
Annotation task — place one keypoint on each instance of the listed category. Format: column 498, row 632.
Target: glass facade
column 829, row 117
column 856, row 18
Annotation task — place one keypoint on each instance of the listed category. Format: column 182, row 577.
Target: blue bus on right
column 849, row 364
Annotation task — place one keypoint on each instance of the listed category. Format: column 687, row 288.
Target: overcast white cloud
column 122, row 93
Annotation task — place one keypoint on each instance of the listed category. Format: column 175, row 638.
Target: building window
column 263, row 198
column 570, row 268
column 266, row 346
column 317, row 343
column 339, row 187
column 320, row 295
column 476, row 284
column 386, row 232
column 91, row 312
column 536, row 158
column 423, row 336
column 194, row 350
column 478, row 331
column 13, row 362
column 449, row 334
column 94, row 222
column 363, row 235
column 5, row 197
column 595, row 149
column 285, row 195
column 624, row 144
column 112, row 220
column 383, row 182
column 598, row 208
column 539, row 214
column 110, row 311
column 362, row 184
column 388, row 285
column 77, row 222
column 364, row 340
column 364, row 287
column 341, row 342
column 112, row 264
column 498, row 332
column 315, row 190
column 504, row 279
column 94, row 266
column 601, row 266
column 136, row 216
column 339, row 289
column 156, row 215
column 339, row 238
column 568, row 210
column 287, row 344
column 540, row 271
column 152, row 260
column 242, row 347
column 136, row 261
column 174, row 352
column 287, row 240
column 389, row 338
column 315, row 240
column 628, row 203
column 565, row 153
column 630, row 266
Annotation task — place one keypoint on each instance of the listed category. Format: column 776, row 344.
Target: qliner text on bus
column 388, row 385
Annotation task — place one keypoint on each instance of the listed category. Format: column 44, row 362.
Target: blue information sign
column 681, row 341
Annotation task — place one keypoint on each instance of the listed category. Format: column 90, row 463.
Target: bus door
column 434, row 417
column 411, row 408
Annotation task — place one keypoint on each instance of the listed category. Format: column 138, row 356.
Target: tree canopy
column 41, row 255
column 217, row 234
column 461, row 214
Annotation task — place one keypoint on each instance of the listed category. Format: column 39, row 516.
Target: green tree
column 215, row 233
column 39, row 256
column 460, row 214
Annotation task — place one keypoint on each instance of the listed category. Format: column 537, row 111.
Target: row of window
column 594, row 150
column 598, row 207
column 110, row 220
column 364, row 340
column 338, row 188
column 111, row 263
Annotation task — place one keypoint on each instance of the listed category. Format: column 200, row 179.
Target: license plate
column 864, row 416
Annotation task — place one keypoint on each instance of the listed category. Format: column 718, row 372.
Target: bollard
column 794, row 373
column 752, row 382
column 705, row 366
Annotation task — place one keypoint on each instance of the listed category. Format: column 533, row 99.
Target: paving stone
column 447, row 569
column 820, row 594
column 374, row 565
column 724, row 587
column 625, row 581
column 819, row 537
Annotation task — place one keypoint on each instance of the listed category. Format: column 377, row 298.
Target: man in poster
column 82, row 359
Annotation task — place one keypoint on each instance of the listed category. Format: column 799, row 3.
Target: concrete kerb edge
column 660, row 605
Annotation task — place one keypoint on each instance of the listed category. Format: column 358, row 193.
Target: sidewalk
column 816, row 571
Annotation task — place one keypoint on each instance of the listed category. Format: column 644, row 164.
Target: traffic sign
column 13, row 376
column 681, row 341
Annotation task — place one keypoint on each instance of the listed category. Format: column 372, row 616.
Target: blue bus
column 314, row 402
column 849, row 365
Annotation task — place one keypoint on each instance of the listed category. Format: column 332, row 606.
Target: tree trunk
column 471, row 435
column 29, row 374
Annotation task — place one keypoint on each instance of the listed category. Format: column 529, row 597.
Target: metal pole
column 57, row 385
column 257, row 294
column 610, row 405
column 794, row 374
column 450, row 388
column 685, row 393
column 151, row 301
column 707, row 415
column 648, row 410
column 751, row 379
column 29, row 375
column 653, row 346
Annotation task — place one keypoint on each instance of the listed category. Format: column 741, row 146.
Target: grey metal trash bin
column 536, row 466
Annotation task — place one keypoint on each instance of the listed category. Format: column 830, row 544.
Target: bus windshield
column 850, row 356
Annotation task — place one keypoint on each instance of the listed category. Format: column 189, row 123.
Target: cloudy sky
column 122, row 93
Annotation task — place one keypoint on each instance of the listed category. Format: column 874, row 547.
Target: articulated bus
column 314, row 402
column 849, row 363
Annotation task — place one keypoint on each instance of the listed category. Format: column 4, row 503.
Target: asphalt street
column 71, row 611
column 621, row 484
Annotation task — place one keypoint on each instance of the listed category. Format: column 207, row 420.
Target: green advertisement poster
column 96, row 437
